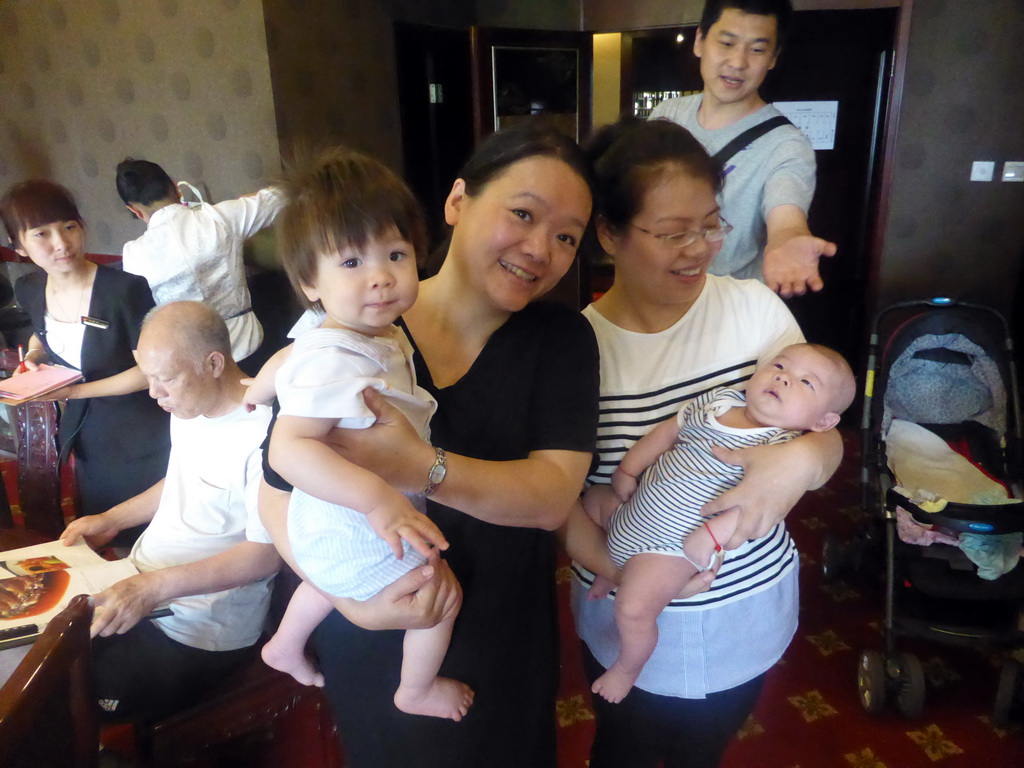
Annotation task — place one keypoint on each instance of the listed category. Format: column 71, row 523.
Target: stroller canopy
column 945, row 379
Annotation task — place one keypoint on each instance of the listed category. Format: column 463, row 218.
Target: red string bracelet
column 718, row 547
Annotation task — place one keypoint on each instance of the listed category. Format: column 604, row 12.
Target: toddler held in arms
column 652, row 508
column 348, row 238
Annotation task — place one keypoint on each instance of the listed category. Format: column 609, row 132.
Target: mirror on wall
column 536, row 81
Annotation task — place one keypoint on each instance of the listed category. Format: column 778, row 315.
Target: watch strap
column 437, row 472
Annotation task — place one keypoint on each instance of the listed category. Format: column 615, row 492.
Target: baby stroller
column 940, row 373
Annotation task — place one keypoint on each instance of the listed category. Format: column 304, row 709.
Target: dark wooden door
column 843, row 56
column 435, row 104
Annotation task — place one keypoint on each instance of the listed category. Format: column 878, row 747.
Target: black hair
column 530, row 138
column 782, row 10
column 144, row 183
column 336, row 199
column 629, row 156
column 33, row 203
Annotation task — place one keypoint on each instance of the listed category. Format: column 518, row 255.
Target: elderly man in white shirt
column 204, row 552
column 194, row 252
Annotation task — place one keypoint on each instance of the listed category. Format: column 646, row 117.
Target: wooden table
column 17, row 537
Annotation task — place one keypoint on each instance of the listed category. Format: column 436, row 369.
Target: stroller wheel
column 1011, row 680
column 871, row 682
column 831, row 557
column 910, row 699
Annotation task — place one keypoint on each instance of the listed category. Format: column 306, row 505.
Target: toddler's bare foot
column 443, row 698
column 283, row 657
column 614, row 684
column 600, row 588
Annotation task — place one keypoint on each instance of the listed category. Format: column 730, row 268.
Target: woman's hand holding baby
column 774, row 479
column 390, row 448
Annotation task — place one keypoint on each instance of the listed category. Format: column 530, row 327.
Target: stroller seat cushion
column 920, row 459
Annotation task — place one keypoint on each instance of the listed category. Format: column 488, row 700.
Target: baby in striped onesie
column 652, row 509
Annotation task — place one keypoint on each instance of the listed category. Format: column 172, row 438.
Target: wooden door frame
column 482, row 39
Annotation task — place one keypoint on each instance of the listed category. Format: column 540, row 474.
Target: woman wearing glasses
column 667, row 332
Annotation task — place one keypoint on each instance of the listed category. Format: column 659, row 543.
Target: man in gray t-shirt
column 770, row 183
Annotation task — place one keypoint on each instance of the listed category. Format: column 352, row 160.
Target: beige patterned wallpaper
column 185, row 83
column 333, row 68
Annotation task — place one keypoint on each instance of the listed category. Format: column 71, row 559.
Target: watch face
column 437, row 473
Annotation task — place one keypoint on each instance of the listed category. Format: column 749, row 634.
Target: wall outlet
column 1013, row 170
column 982, row 170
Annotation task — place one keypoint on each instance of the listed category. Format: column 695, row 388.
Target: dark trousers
column 143, row 675
column 646, row 730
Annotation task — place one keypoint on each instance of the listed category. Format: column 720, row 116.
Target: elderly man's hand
column 120, row 607
column 97, row 530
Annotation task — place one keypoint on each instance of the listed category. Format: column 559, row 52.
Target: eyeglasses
column 688, row 237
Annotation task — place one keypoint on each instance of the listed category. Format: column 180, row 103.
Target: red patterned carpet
column 809, row 715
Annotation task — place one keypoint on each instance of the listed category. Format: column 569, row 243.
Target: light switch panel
column 1013, row 170
column 982, row 170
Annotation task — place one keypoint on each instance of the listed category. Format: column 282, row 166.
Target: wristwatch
column 437, row 472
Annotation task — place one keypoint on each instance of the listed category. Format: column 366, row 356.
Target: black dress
column 121, row 443
column 533, row 387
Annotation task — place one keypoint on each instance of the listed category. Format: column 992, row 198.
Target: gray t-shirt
column 776, row 169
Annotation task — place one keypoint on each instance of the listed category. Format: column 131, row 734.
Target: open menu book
column 32, row 384
column 37, row 583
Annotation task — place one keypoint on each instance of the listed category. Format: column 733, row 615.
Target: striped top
column 666, row 506
column 722, row 637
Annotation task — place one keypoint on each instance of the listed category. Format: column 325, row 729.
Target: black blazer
column 120, row 427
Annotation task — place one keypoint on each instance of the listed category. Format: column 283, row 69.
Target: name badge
column 95, row 322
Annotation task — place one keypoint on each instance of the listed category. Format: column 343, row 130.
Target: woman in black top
column 516, row 385
column 87, row 316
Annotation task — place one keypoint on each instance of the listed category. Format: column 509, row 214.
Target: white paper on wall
column 817, row 119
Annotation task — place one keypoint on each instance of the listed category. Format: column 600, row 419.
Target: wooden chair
column 261, row 719
column 48, row 713
column 39, row 488
column 39, row 468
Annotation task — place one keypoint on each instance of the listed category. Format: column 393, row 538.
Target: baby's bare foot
column 445, row 698
column 614, row 684
column 281, row 656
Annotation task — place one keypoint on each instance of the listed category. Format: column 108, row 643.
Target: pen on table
column 28, row 630
column 21, row 359
column 16, row 632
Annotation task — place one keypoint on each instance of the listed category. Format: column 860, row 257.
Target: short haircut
column 782, row 10
column 33, row 203
column 846, row 392
column 199, row 327
column 341, row 198
column 632, row 155
column 143, row 182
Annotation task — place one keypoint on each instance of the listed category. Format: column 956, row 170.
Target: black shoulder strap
column 748, row 137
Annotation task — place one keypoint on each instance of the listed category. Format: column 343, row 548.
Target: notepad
column 34, row 384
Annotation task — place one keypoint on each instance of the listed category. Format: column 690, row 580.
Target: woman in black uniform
column 87, row 316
